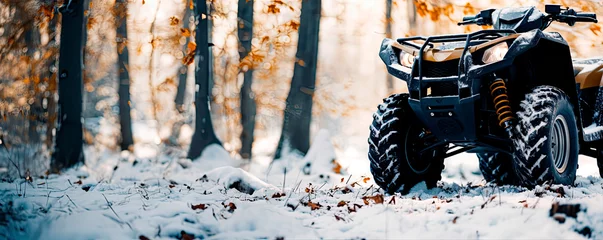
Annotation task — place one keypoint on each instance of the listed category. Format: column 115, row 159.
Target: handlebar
column 570, row 16
column 469, row 18
column 484, row 17
column 586, row 17
column 555, row 13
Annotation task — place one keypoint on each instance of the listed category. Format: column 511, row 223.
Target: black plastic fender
column 389, row 56
column 541, row 58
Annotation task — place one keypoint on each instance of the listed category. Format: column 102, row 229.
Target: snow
column 593, row 128
column 164, row 196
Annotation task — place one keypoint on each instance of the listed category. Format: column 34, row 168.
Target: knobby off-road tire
column 546, row 138
column 497, row 168
column 394, row 134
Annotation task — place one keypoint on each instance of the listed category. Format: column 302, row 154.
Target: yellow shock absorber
column 498, row 91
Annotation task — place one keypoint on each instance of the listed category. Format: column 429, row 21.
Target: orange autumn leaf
column 272, row 8
column 199, row 206
column 314, row 206
column 336, row 165
column 293, row 24
column 377, row 199
column 185, row 32
column 121, row 46
column 189, row 58
column 190, row 55
column 191, row 46
column 468, row 9
column 366, row 179
column 595, row 28
column 174, row 21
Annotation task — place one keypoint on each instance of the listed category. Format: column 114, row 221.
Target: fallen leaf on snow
column 377, row 199
column 278, row 195
column 366, row 179
column 336, row 166
column 186, row 236
column 199, row 206
column 314, row 206
column 231, row 207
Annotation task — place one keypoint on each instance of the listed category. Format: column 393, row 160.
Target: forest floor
column 153, row 196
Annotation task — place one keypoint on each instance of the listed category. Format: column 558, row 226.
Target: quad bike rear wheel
column 395, row 144
column 546, row 138
column 497, row 168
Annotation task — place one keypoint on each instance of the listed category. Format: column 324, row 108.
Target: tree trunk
column 183, row 72
column 204, row 132
column 68, row 148
column 388, row 34
column 411, row 10
column 51, row 78
column 295, row 137
column 125, row 120
column 248, row 105
column 85, row 73
column 32, row 40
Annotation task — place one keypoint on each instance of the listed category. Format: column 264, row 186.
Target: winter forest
column 244, row 119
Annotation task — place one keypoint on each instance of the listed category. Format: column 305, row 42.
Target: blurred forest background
column 143, row 60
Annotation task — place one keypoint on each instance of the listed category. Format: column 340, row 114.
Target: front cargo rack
column 489, row 34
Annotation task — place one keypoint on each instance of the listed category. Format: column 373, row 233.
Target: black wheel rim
column 560, row 147
column 417, row 139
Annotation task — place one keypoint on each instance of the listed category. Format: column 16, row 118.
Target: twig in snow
column 268, row 170
column 109, row 204
column 10, row 159
column 367, row 190
column 291, row 193
column 71, row 201
column 357, row 195
column 113, row 172
column 297, row 186
column 529, row 217
column 536, row 203
column 47, row 197
column 350, row 177
column 284, row 179
column 323, row 184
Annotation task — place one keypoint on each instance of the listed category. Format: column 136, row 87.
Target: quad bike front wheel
column 546, row 138
column 397, row 143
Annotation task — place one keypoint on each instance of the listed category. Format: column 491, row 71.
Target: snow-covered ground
column 147, row 196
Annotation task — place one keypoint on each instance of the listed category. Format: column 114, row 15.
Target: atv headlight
column 406, row 59
column 495, row 53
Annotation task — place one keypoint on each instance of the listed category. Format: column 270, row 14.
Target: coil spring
column 498, row 90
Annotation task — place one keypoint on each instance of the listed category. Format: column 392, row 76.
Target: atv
column 510, row 94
